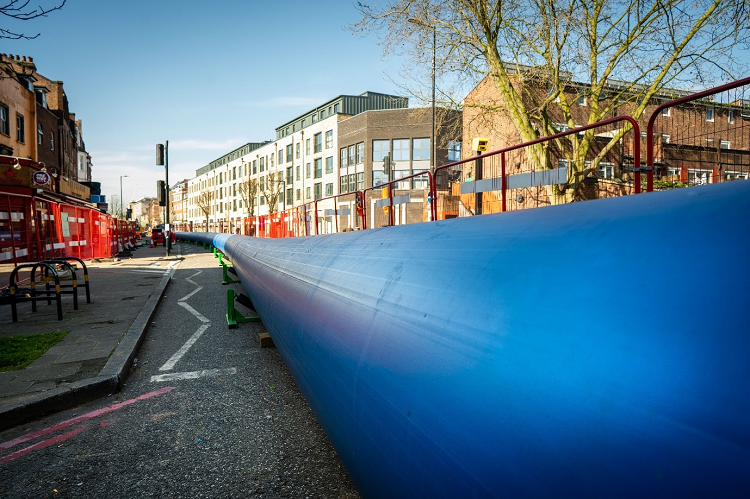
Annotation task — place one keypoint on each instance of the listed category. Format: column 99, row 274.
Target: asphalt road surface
column 206, row 412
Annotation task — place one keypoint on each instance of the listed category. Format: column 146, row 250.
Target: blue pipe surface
column 590, row 349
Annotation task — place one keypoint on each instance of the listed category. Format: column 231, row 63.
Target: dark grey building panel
column 343, row 105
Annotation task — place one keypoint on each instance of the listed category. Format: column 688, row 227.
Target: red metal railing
column 511, row 178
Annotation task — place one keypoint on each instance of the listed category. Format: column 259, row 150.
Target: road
column 205, row 412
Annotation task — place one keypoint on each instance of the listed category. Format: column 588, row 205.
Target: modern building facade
column 332, row 149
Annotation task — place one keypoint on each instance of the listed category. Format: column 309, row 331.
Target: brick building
column 37, row 125
column 697, row 142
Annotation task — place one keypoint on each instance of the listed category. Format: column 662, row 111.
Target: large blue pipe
column 596, row 349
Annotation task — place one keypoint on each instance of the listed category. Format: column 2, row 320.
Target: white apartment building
column 302, row 163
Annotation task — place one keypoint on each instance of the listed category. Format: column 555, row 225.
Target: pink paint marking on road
column 41, row 445
column 84, row 417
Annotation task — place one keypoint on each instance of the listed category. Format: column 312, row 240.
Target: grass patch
column 17, row 352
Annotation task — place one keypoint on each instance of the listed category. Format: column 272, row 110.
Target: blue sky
column 207, row 76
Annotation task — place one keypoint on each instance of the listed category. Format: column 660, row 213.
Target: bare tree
column 625, row 52
column 204, row 202
column 22, row 10
column 248, row 190
column 273, row 191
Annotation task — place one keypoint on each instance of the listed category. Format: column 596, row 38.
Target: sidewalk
column 93, row 360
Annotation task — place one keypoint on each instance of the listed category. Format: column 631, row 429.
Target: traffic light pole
column 162, row 158
column 168, row 229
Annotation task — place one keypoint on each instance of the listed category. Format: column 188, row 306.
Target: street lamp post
column 122, row 211
column 433, row 149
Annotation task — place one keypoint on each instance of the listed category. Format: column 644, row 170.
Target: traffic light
column 161, row 192
column 160, row 154
column 387, row 167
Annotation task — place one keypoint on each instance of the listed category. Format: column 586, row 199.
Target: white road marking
column 190, row 279
column 213, row 373
column 147, row 271
column 193, row 311
column 169, row 365
column 184, row 298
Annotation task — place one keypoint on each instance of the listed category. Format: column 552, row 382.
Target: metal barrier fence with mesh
column 400, row 202
column 702, row 138
column 593, row 161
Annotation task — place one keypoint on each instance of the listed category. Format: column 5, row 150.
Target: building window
column 709, row 114
column 329, row 164
column 329, row 139
column 665, row 111
column 20, row 128
column 379, row 178
column 270, row 162
column 606, row 170
column 298, row 174
column 4, row 120
column 318, row 168
column 734, row 175
column 255, row 166
column 289, row 199
column 329, row 189
column 289, row 150
column 582, row 100
column 352, row 182
column 298, row 195
column 308, row 191
column 39, row 134
column 308, row 170
column 665, row 138
column 360, row 153
column 730, row 117
column 454, row 150
column 297, row 148
column 344, row 163
column 400, row 150
column 336, row 108
column 380, row 149
column 307, row 146
column 289, row 175
column 420, row 149
column 343, row 184
column 700, row 177
column 318, row 142
column 361, row 181
column 281, row 156
column 262, row 164
column 724, row 144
